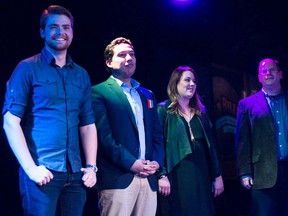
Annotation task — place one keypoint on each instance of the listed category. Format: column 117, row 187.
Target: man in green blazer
column 262, row 143
column 131, row 149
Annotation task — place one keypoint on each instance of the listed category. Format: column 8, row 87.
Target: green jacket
column 177, row 144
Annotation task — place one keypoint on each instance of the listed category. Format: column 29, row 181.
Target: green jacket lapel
column 118, row 91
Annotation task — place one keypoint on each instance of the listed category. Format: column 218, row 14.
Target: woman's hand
column 218, row 186
column 164, row 186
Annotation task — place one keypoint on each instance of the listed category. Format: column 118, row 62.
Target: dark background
column 223, row 37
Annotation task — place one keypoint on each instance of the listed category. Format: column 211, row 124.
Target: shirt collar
column 134, row 83
column 49, row 59
column 272, row 96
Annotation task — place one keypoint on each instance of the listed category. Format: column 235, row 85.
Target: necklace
column 188, row 117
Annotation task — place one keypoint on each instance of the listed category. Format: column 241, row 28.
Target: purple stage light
column 182, row 2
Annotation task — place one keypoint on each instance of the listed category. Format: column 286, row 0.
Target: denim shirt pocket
column 77, row 90
column 79, row 86
column 46, row 86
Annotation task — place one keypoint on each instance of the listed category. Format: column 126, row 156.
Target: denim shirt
column 52, row 103
column 279, row 112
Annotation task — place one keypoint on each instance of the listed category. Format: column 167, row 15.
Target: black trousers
column 272, row 201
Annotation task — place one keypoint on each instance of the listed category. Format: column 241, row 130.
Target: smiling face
column 269, row 74
column 186, row 86
column 123, row 62
column 58, row 33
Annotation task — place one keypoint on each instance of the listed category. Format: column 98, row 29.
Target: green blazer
column 118, row 135
column 177, row 143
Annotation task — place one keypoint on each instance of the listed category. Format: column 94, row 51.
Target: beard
column 58, row 46
column 125, row 73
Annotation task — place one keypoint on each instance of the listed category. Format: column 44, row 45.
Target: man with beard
column 262, row 143
column 130, row 137
column 47, row 109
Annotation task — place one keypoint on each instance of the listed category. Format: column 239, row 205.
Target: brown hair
column 52, row 10
column 195, row 102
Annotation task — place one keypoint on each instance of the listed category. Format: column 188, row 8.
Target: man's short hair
column 55, row 10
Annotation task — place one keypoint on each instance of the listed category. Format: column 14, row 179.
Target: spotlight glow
column 182, row 2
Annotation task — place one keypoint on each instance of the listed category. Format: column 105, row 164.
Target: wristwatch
column 93, row 167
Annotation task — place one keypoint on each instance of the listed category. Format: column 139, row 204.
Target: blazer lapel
column 119, row 92
column 262, row 102
column 144, row 105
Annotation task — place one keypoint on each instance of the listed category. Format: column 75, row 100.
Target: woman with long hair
column 193, row 169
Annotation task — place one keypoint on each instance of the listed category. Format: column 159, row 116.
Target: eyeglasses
column 272, row 70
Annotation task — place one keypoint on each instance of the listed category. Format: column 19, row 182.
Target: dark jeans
column 273, row 201
column 65, row 189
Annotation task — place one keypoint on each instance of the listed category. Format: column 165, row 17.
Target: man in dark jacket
column 262, row 144
column 130, row 137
